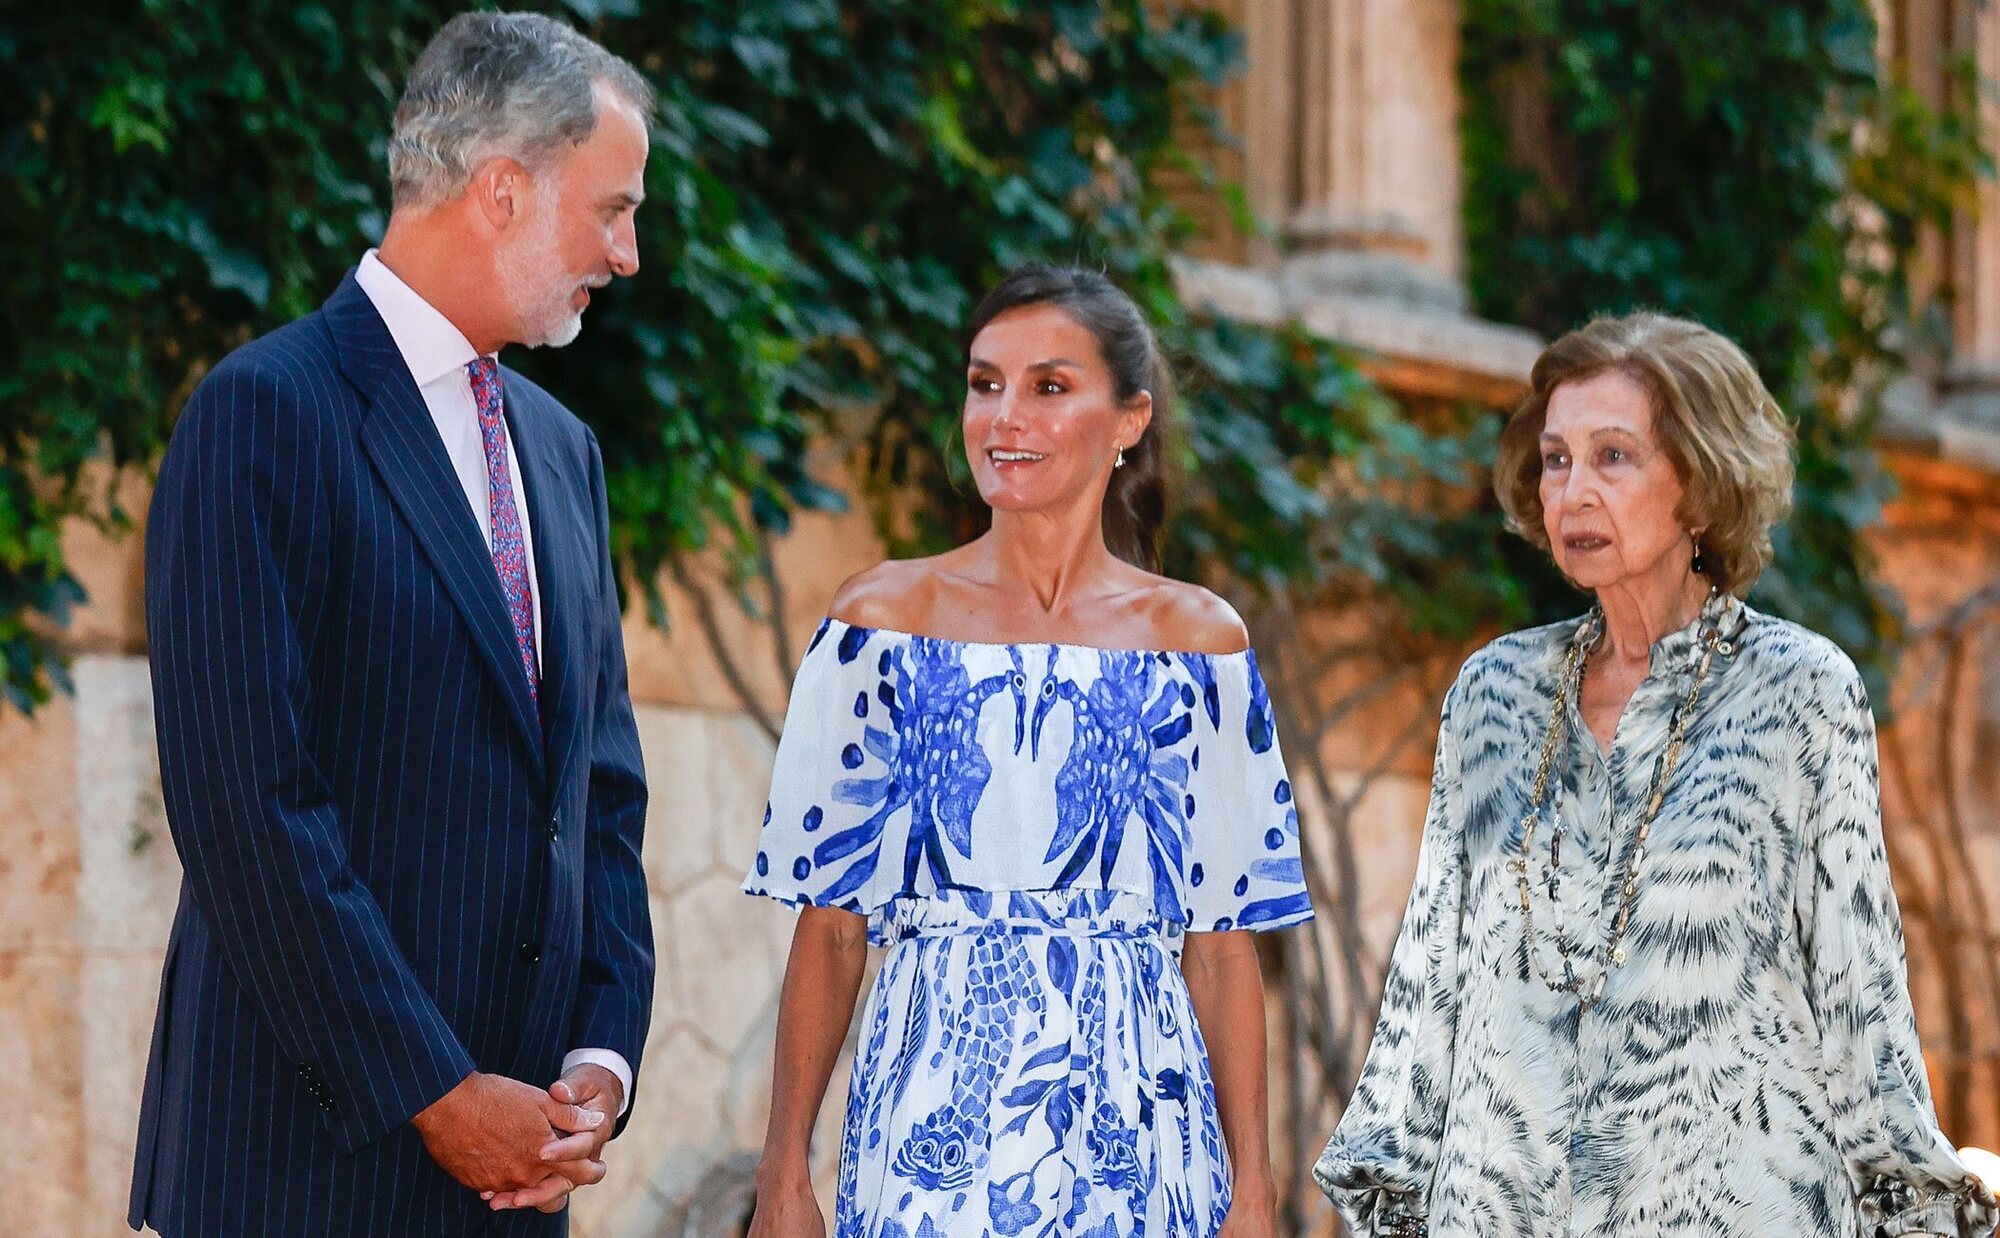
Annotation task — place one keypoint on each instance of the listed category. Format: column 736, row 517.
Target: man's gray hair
column 513, row 84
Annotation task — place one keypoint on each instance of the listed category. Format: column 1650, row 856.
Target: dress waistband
column 1105, row 914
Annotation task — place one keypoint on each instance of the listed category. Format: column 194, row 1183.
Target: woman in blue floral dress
column 1047, row 780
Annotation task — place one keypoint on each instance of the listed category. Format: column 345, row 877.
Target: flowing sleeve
column 1244, row 870
column 1907, row 1178
column 821, row 841
column 1378, row 1166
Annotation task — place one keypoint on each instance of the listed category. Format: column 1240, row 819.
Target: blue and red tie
column 510, row 549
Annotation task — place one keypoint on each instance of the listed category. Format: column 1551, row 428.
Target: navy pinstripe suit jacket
column 396, row 872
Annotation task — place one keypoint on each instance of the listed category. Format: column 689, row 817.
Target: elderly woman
column 1650, row 980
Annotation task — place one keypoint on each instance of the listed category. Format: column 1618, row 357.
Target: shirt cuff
column 612, row 1061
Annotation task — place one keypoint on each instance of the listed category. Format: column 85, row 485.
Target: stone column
column 1971, row 381
column 1349, row 118
column 1375, row 198
column 1269, row 114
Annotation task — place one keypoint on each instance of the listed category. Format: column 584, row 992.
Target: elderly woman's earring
column 1119, row 463
column 1698, row 566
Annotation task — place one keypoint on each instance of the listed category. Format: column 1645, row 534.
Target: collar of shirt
column 431, row 346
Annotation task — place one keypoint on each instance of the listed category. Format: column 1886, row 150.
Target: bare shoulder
column 896, row 594
column 1195, row 619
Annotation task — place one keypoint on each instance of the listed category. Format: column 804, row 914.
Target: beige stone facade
column 1349, row 120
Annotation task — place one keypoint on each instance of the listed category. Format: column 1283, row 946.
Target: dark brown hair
column 1135, row 505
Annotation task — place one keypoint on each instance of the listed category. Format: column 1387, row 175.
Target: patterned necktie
column 510, row 549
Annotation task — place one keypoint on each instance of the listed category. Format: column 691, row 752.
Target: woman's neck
column 1639, row 612
column 1052, row 556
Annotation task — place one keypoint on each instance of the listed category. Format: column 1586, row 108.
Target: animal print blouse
column 1753, row 1069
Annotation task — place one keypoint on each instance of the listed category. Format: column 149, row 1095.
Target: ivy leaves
column 831, row 186
column 170, row 183
column 1747, row 166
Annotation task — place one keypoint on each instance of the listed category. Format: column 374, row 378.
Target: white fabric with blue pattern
column 1031, row 829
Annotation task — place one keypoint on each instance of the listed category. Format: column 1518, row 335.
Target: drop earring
column 1119, row 463
column 1697, row 565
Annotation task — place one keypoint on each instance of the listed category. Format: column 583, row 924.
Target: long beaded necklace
column 1588, row 985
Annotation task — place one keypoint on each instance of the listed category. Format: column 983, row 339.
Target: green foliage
column 174, row 176
column 1301, row 476
column 891, row 160
column 852, row 176
column 1746, row 165
column 831, row 186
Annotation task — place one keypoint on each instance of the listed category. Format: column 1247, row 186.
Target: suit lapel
column 401, row 439
column 552, row 524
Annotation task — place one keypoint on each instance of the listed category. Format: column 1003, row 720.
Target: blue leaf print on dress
column 915, row 1023
column 1260, row 728
column 935, row 763
column 1029, row 1066
column 1274, row 910
column 1202, row 671
column 1121, row 763
column 1062, row 963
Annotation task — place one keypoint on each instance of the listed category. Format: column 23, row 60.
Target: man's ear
column 498, row 191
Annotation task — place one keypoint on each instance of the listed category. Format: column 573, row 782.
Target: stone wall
column 87, row 888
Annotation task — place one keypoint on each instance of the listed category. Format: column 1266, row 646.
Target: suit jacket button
column 531, row 952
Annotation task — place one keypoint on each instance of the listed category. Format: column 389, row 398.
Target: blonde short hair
column 1729, row 442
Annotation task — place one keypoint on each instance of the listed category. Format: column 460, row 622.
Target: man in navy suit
column 411, row 972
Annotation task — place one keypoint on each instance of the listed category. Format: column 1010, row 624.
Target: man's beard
column 537, row 287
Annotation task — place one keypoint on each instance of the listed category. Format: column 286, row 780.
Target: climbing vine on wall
column 1750, row 166
column 831, row 186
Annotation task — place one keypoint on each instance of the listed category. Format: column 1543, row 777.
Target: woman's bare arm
column 1227, row 988
column 822, row 980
